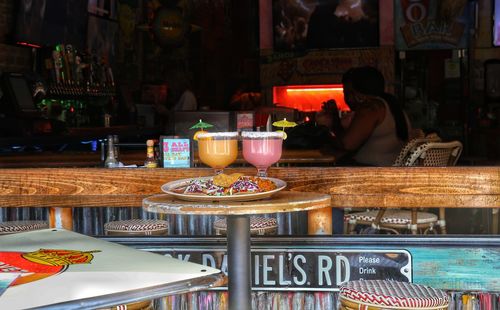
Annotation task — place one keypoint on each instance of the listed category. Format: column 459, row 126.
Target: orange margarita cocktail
column 218, row 149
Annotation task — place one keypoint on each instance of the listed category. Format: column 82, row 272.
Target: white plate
column 171, row 186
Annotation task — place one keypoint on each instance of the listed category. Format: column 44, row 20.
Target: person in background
column 244, row 98
column 373, row 132
column 378, row 127
column 182, row 89
column 180, row 97
column 58, row 126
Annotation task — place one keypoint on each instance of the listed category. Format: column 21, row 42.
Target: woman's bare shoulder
column 374, row 109
column 372, row 105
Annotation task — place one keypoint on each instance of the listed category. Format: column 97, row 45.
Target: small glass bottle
column 111, row 161
column 116, row 142
column 151, row 161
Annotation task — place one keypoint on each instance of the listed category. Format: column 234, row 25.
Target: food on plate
column 225, row 180
column 224, row 185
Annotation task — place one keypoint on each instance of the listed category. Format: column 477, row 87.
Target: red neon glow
column 308, row 98
column 28, row 44
column 314, row 90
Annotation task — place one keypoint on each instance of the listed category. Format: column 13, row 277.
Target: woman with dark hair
column 379, row 128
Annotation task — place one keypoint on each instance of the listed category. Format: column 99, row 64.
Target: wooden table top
column 283, row 201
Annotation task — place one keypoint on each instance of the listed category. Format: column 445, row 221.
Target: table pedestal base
column 239, row 262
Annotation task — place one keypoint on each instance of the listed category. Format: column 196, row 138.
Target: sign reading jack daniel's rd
column 309, row 269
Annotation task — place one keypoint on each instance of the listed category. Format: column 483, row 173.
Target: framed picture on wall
column 302, row 24
column 496, row 23
column 104, row 8
column 426, row 25
column 492, row 79
column 102, row 35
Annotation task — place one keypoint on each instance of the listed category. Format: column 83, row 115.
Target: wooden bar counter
column 353, row 187
column 137, row 157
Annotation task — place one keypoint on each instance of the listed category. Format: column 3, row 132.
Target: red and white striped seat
column 383, row 294
column 141, row 305
column 258, row 226
column 136, row 227
column 391, row 217
column 13, row 227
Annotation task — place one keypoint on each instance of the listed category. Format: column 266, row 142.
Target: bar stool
column 392, row 220
column 140, row 305
column 383, row 294
column 137, row 227
column 13, row 227
column 258, row 226
column 425, row 152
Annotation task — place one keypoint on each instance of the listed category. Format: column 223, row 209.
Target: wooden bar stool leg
column 319, row 221
column 442, row 220
column 61, row 218
column 351, row 227
column 378, row 219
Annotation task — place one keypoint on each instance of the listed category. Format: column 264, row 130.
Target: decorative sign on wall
column 175, row 152
column 324, row 66
column 244, row 120
column 496, row 24
column 309, row 269
column 431, row 24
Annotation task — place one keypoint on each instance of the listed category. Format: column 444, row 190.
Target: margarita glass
column 218, row 149
column 262, row 149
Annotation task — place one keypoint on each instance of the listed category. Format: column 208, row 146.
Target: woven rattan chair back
column 411, row 146
column 435, row 154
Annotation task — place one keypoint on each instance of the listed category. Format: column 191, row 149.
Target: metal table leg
column 239, row 262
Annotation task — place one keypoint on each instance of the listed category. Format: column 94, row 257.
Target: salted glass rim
column 230, row 134
column 262, row 134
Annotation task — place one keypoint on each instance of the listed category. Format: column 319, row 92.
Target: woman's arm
column 364, row 122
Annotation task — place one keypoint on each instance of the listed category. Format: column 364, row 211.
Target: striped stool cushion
column 393, row 294
column 146, row 227
column 141, row 305
column 402, row 217
column 20, row 226
column 258, row 225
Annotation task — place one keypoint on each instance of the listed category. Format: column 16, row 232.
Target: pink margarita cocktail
column 262, row 149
